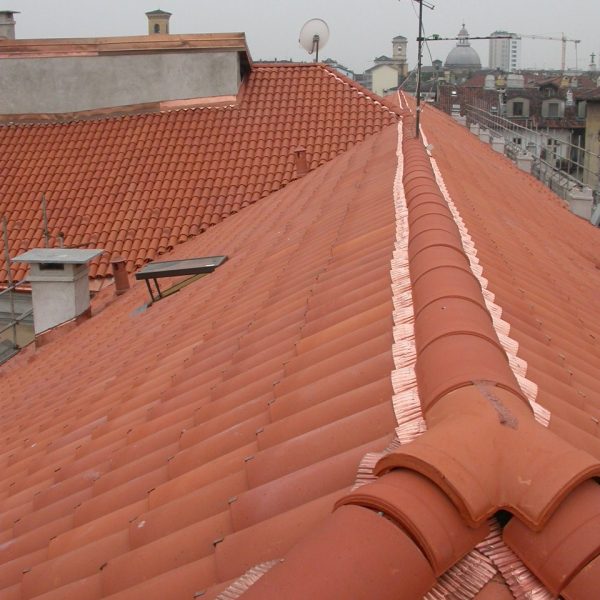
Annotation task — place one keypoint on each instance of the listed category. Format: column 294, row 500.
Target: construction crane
column 562, row 39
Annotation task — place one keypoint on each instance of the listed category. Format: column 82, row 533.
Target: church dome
column 463, row 56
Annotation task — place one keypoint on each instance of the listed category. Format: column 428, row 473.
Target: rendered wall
column 592, row 143
column 58, row 296
column 76, row 83
column 384, row 78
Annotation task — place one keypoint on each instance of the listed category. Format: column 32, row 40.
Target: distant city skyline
column 360, row 31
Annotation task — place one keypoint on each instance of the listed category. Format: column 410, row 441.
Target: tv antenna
column 313, row 36
column 420, row 39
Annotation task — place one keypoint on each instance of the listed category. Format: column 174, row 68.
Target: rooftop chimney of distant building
column 59, row 284
column 301, row 163
column 7, row 24
column 158, row 22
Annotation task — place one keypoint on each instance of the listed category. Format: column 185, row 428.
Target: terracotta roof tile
column 196, row 444
column 139, row 176
column 193, row 423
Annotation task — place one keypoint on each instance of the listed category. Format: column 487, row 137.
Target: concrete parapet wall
column 498, row 144
column 524, row 162
column 580, row 202
column 484, row 136
column 68, row 84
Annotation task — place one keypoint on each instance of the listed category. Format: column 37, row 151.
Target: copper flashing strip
column 523, row 584
column 465, row 579
column 406, row 401
column 510, row 346
column 249, row 578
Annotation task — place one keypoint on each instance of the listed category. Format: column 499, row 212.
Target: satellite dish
column 313, row 36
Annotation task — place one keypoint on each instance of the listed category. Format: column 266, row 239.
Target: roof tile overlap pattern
column 236, row 410
column 214, row 433
column 542, row 265
column 138, row 185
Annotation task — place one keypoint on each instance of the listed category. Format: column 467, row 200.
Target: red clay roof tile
column 128, row 463
column 271, row 378
column 104, row 177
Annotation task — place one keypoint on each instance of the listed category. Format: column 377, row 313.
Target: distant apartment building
column 505, row 52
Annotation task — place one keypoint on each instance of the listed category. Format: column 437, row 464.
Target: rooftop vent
column 119, row 268
column 301, row 163
column 7, row 24
column 59, row 284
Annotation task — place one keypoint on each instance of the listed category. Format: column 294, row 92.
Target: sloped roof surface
column 542, row 264
column 174, row 450
column 138, row 185
column 277, row 368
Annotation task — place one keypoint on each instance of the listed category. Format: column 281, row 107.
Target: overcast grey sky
column 360, row 29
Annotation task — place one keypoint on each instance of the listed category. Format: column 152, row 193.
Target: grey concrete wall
column 76, row 83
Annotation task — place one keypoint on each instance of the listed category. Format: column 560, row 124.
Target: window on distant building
column 517, row 107
column 581, row 109
column 553, row 109
column 156, row 28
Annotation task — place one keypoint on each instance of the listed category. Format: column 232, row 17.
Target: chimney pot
column 119, row 269
column 301, row 164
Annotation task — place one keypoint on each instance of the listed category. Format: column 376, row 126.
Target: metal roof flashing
column 65, row 256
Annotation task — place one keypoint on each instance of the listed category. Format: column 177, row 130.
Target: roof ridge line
column 501, row 327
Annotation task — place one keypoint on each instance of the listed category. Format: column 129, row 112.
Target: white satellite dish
column 313, row 36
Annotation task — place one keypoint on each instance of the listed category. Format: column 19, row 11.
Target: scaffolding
column 560, row 164
column 11, row 343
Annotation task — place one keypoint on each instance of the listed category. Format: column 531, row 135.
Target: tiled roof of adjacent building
column 138, row 185
column 400, row 353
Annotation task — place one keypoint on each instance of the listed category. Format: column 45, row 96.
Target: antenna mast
column 420, row 60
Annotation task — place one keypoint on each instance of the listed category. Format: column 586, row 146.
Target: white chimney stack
column 59, row 284
column 7, row 24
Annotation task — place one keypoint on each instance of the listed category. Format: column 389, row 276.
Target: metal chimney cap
column 65, row 256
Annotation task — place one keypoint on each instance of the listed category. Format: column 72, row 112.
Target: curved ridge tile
column 484, row 421
column 424, row 511
column 567, row 544
column 379, row 560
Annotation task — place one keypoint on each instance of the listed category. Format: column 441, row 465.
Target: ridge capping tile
column 424, row 511
column 530, row 481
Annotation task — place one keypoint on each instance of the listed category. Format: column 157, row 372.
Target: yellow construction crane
column 562, row 39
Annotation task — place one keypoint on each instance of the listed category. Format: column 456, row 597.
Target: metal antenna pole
column 45, row 220
column 419, row 64
column 9, row 279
